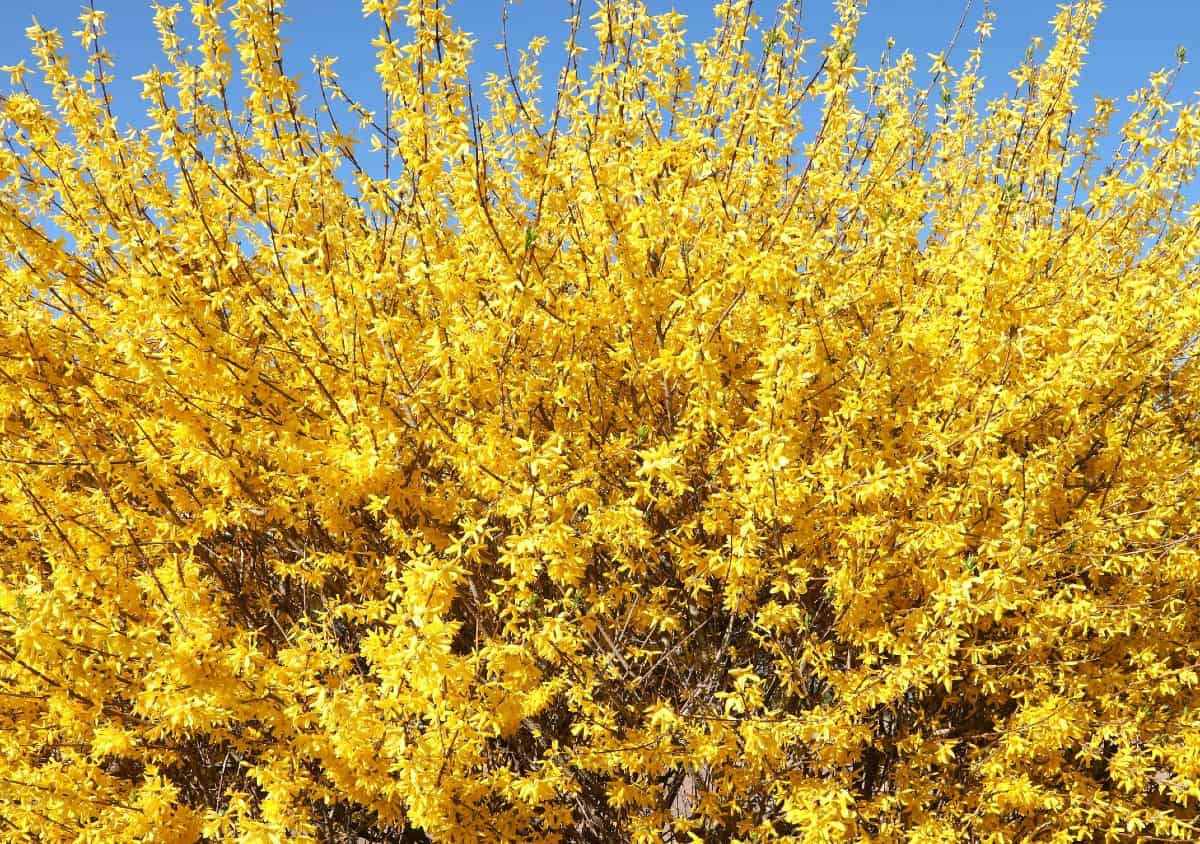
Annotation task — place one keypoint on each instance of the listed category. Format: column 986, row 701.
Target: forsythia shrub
column 640, row 465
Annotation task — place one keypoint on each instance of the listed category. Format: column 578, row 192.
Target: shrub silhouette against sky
column 747, row 443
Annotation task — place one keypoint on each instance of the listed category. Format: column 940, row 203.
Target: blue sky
column 1134, row 38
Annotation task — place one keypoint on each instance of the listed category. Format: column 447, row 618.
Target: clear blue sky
column 1134, row 38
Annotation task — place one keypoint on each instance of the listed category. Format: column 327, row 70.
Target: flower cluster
column 745, row 444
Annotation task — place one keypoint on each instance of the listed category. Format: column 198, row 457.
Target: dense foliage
column 637, row 464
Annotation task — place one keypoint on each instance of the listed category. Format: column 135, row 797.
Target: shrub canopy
column 743, row 444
